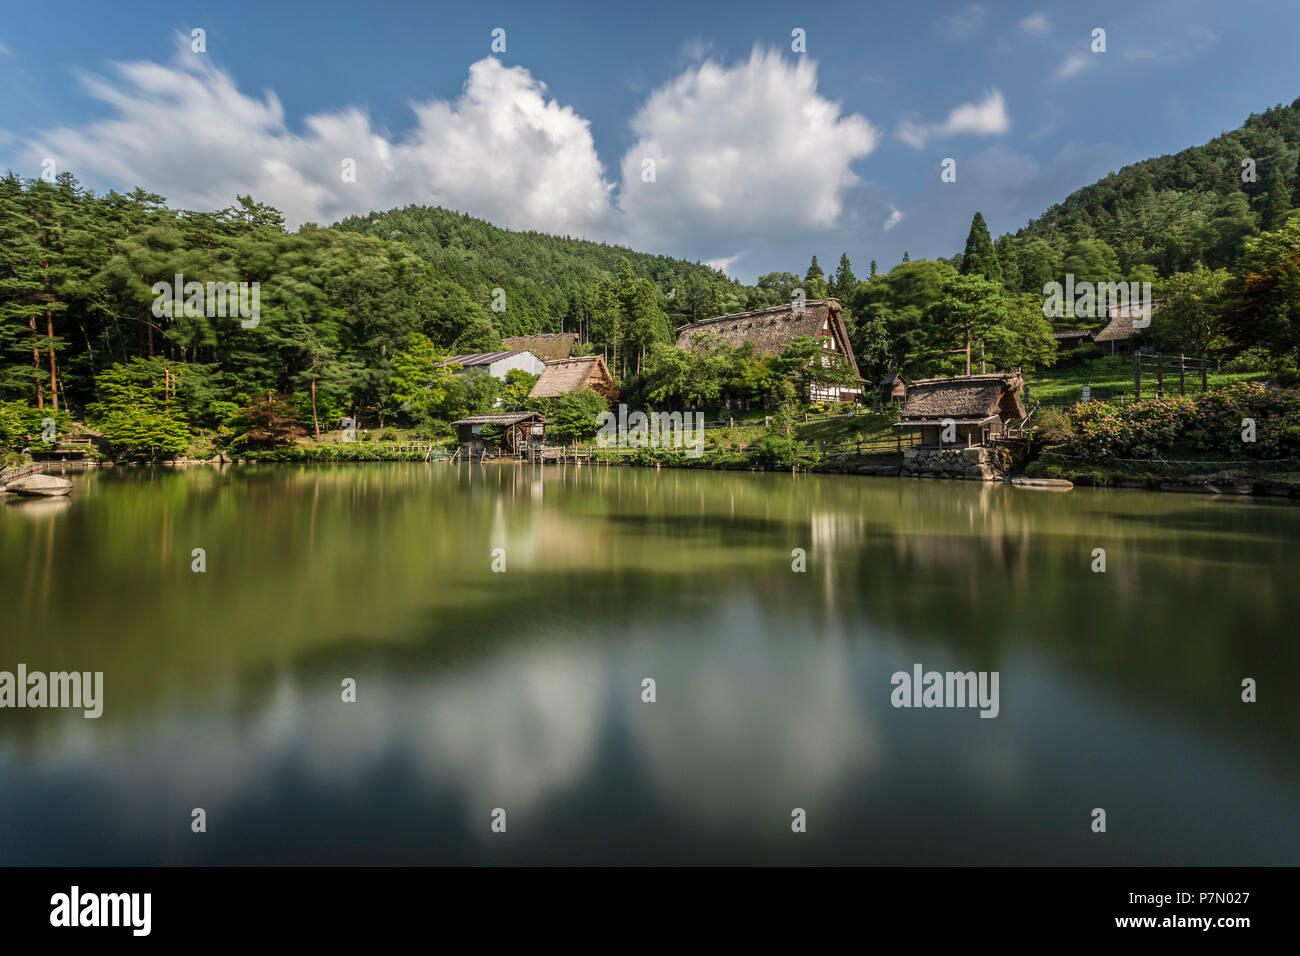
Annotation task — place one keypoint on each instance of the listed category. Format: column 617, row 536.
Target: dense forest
column 356, row 319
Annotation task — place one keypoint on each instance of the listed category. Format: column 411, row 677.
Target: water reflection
column 522, row 689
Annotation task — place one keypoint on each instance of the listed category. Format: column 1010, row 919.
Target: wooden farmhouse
column 771, row 330
column 517, row 428
column 978, row 406
column 1069, row 341
column 547, row 346
column 568, row 375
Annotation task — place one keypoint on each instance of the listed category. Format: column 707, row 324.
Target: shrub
column 1209, row 423
column 1054, row 426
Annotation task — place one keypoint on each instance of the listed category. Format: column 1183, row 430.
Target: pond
column 502, row 627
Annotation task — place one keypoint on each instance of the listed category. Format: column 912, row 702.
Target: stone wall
column 979, row 463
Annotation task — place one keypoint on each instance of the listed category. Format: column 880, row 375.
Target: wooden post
column 1204, row 363
column 1160, row 376
column 1182, row 363
column 1137, row 376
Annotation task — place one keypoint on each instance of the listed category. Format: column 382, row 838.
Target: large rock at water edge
column 40, row 486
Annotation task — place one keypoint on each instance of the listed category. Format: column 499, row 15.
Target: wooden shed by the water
column 977, row 407
column 516, row 428
column 547, row 346
column 569, row 375
column 771, row 330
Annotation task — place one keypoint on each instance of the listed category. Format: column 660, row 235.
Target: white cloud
column 743, row 151
column 1193, row 43
column 501, row 151
column 965, row 21
column 4, row 50
column 724, row 263
column 1075, row 63
column 1036, row 24
column 985, row 118
column 740, row 150
column 895, row 217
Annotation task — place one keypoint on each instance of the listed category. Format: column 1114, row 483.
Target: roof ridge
column 784, row 307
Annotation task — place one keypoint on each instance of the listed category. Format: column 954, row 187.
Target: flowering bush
column 1210, row 424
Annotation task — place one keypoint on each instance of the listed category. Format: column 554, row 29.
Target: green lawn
column 1113, row 378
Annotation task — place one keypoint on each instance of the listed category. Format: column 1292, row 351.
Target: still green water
column 522, row 690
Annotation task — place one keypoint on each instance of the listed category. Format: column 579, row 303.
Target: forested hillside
column 1164, row 215
column 548, row 281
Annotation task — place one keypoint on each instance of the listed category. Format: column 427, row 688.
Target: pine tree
column 906, row 257
column 814, row 283
column 22, row 288
column 845, row 280
column 980, row 258
column 873, row 268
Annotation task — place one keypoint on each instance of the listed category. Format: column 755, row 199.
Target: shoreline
column 1230, row 484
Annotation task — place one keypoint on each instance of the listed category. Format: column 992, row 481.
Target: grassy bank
column 1112, row 378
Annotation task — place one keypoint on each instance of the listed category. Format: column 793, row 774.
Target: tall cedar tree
column 845, row 280
column 980, row 258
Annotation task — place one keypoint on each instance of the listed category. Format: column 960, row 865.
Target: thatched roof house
column 771, row 330
column 569, row 375
column 978, row 406
column 1119, row 337
column 516, row 428
column 547, row 346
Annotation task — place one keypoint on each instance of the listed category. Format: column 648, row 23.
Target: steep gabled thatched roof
column 964, row 398
column 567, row 375
column 1120, row 327
column 771, row 330
column 547, row 346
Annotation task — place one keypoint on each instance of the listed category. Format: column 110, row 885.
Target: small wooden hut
column 979, row 406
column 893, row 388
column 517, row 428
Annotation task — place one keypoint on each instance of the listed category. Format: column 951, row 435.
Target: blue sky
column 763, row 156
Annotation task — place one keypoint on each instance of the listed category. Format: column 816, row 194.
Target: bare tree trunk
column 968, row 350
column 314, row 420
column 36, row 363
column 49, row 334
